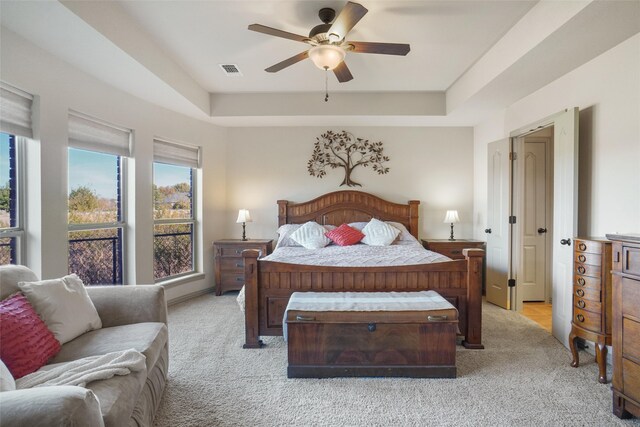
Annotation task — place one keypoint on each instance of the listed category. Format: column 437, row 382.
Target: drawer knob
column 456, row 251
column 371, row 327
column 580, row 318
column 238, row 264
column 239, row 279
column 582, row 258
column 581, row 304
column 580, row 292
column 581, row 281
column 582, row 247
column 581, row 269
column 239, row 251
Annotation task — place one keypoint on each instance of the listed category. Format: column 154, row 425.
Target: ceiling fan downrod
column 326, row 84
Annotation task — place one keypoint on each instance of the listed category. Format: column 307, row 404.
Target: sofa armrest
column 124, row 305
column 50, row 406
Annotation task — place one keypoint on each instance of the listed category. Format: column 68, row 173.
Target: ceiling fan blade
column 278, row 33
column 287, row 62
column 381, row 48
column 342, row 72
column 348, row 18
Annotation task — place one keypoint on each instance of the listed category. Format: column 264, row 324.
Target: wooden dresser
column 229, row 267
column 592, row 299
column 626, row 324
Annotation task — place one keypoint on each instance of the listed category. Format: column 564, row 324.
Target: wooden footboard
column 268, row 286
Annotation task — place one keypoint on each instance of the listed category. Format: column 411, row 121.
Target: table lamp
column 243, row 217
column 451, row 217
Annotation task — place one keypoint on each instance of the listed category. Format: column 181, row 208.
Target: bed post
column 282, row 212
column 251, row 320
column 413, row 217
column 473, row 339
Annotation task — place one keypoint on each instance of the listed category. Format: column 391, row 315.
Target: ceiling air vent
column 231, row 70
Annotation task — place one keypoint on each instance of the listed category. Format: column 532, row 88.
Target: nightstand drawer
column 588, row 246
column 232, row 279
column 229, row 265
column 453, row 253
column 587, row 320
column 587, row 282
column 590, row 294
column 585, row 304
column 588, row 270
column 235, row 251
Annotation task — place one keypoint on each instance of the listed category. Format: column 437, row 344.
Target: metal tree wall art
column 343, row 150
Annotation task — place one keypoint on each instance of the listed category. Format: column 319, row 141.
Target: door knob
column 487, row 230
column 542, row 230
column 565, row 242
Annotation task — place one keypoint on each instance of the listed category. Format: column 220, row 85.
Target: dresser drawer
column 631, row 340
column 233, row 251
column 453, row 253
column 587, row 281
column 232, row 279
column 631, row 379
column 587, row 320
column 630, row 297
column 587, row 258
column 588, row 270
column 588, row 246
column 590, row 294
column 229, row 265
column 585, row 304
column 631, row 260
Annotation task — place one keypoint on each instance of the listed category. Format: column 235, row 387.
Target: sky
column 4, row 159
column 98, row 172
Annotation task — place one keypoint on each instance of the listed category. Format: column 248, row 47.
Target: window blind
column 15, row 111
column 90, row 134
column 176, row 154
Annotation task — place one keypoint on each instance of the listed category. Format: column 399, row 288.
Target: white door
column 497, row 230
column 532, row 272
column 565, row 223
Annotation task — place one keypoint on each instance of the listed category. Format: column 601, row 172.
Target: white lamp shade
column 327, row 56
column 451, row 217
column 243, row 216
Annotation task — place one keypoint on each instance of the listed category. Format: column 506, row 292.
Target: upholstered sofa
column 132, row 317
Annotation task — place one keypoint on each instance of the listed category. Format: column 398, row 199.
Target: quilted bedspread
column 360, row 255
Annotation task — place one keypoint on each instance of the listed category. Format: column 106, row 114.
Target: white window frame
column 195, row 243
column 18, row 232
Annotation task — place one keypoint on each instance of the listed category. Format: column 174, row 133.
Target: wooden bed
column 268, row 285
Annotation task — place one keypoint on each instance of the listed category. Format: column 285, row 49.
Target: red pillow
column 27, row 343
column 345, row 235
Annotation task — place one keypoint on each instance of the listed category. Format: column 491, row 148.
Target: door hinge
column 513, row 155
column 511, row 283
column 512, row 219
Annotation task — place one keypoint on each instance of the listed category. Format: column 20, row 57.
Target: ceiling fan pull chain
column 326, row 84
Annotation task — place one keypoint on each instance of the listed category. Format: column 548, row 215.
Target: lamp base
column 244, row 235
column 451, row 238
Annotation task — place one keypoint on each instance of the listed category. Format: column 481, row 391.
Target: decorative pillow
column 311, row 236
column 345, row 235
column 27, row 343
column 404, row 233
column 285, row 231
column 7, row 383
column 64, row 305
column 379, row 233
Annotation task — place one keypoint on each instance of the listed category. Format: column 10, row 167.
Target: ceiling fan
column 329, row 46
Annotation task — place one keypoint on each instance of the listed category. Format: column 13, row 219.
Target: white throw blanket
column 82, row 371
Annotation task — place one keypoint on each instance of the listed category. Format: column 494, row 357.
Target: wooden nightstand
column 229, row 266
column 451, row 248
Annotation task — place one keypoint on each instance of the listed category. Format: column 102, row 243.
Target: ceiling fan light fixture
column 327, row 56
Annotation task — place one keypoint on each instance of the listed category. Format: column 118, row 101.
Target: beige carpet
column 522, row 378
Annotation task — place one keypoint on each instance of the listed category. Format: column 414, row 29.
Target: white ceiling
column 467, row 59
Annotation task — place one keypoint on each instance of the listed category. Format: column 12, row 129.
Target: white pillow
column 379, row 233
column 285, row 232
column 311, row 236
column 7, row 383
column 64, row 306
column 404, row 233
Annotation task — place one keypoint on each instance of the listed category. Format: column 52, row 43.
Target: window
column 97, row 156
column 15, row 127
column 11, row 218
column 174, row 206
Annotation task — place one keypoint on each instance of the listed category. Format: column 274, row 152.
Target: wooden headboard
column 349, row 206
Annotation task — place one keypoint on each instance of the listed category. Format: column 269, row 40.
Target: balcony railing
column 7, row 250
column 96, row 260
column 172, row 253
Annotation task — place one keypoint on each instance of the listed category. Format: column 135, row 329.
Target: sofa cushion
column 10, row 275
column 148, row 338
column 64, row 306
column 27, row 344
column 118, row 396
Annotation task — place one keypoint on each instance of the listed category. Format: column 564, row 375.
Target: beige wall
column 607, row 92
column 433, row 165
column 59, row 87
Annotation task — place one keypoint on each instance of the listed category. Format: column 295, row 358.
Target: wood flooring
column 539, row 312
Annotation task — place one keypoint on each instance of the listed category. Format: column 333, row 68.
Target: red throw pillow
column 27, row 343
column 345, row 235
